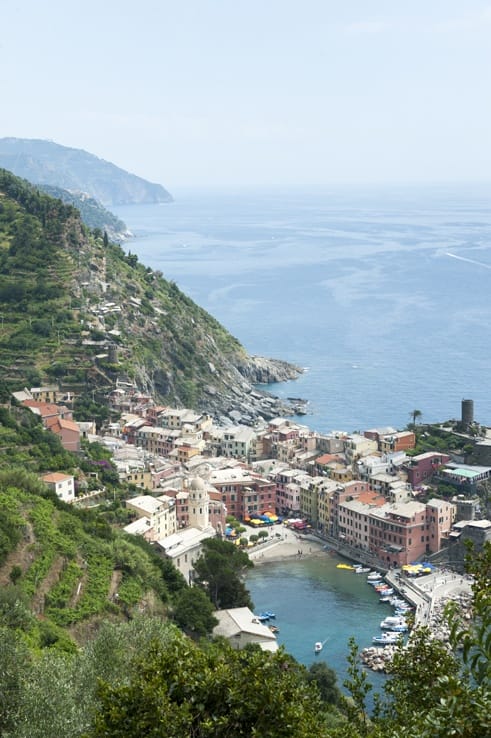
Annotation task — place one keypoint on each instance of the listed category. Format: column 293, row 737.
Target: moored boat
column 393, row 621
column 386, row 639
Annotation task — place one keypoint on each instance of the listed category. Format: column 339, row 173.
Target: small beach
column 283, row 544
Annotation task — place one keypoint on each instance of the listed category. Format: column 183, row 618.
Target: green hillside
column 78, row 310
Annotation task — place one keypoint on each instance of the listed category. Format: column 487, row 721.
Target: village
column 363, row 494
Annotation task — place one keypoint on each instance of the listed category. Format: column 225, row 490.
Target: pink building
column 399, row 533
column 440, row 515
column 423, row 466
column 345, row 492
column 354, row 518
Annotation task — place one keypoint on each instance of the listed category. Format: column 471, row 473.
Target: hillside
column 75, row 170
column 93, row 214
column 68, row 570
column 78, row 310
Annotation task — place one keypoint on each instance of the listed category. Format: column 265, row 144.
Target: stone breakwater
column 379, row 658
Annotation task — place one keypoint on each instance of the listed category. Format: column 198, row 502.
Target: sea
column 381, row 295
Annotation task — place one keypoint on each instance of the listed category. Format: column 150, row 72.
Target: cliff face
column 80, row 311
column 75, row 170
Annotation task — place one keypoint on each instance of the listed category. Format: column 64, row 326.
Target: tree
column 415, row 415
column 180, row 690
column 219, row 570
column 325, row 679
column 193, row 612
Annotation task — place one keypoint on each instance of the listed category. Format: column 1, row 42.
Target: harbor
column 318, row 597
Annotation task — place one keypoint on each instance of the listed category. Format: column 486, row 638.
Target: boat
column 269, row 614
column 394, row 623
column 274, row 628
column 318, row 646
column 262, row 617
column 386, row 639
column 345, row 566
column 374, row 576
column 362, row 570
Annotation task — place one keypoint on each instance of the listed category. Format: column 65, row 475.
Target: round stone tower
column 198, row 503
column 467, row 413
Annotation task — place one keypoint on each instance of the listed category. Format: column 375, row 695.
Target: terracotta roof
column 59, row 424
column 45, row 408
column 54, row 477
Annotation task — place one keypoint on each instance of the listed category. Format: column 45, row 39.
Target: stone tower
column 198, row 504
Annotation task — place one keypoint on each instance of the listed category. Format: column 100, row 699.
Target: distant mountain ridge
column 47, row 163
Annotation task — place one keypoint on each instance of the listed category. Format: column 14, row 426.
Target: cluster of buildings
column 362, row 489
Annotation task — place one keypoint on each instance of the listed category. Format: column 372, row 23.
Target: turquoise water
column 315, row 601
column 382, row 294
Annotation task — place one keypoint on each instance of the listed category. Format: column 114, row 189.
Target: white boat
column 386, row 639
column 317, row 646
column 374, row 576
column 362, row 569
column 394, row 623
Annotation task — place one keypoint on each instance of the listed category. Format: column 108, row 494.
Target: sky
column 212, row 93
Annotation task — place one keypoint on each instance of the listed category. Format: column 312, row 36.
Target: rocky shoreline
column 433, row 619
column 243, row 402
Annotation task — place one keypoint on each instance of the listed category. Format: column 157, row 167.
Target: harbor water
column 313, row 600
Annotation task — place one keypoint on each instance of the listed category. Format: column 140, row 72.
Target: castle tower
column 467, row 413
column 198, row 503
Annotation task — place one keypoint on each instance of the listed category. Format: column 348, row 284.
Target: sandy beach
column 284, row 543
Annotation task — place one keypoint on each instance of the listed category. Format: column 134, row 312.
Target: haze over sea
column 381, row 294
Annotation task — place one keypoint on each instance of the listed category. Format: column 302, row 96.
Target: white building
column 62, row 484
column 184, row 547
column 161, row 511
column 240, row 627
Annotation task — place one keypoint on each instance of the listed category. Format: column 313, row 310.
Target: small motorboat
column 317, row 646
column 386, row 639
column 362, row 569
column 348, row 567
column 274, row 628
column 374, row 576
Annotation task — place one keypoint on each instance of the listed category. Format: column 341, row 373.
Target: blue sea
column 382, row 295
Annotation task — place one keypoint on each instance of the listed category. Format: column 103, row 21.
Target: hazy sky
column 211, row 92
